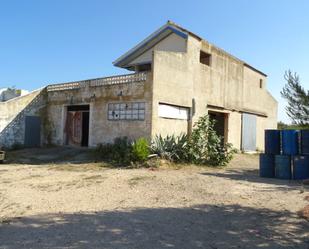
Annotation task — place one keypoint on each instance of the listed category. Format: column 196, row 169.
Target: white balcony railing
column 113, row 80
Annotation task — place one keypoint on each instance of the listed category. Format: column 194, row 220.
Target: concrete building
column 177, row 77
column 10, row 93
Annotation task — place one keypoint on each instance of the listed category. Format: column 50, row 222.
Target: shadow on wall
column 13, row 134
column 204, row 226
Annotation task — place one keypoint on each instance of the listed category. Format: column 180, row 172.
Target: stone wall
column 12, row 117
column 101, row 129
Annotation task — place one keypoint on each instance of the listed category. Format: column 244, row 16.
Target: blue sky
column 43, row 42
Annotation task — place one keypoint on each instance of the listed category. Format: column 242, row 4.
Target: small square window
column 126, row 111
column 205, row 58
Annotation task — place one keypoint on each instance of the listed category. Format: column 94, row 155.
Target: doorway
column 77, row 125
column 32, row 131
column 248, row 138
column 221, row 124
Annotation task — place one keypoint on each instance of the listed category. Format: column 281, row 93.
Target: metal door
column 32, row 131
column 248, row 132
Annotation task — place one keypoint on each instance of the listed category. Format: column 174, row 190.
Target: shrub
column 206, row 147
column 203, row 147
column 118, row 152
column 174, row 148
column 122, row 152
column 140, row 150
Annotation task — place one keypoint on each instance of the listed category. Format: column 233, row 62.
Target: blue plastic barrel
column 301, row 167
column 283, row 167
column 290, row 140
column 304, row 138
column 267, row 165
column 272, row 142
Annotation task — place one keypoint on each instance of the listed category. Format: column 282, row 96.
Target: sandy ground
column 84, row 205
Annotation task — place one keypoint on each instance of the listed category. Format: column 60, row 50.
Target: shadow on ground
column 252, row 175
column 204, row 226
column 53, row 155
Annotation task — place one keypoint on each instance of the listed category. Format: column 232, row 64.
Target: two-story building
column 177, row 77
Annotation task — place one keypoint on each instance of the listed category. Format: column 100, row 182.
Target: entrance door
column 248, row 132
column 85, row 129
column 32, row 131
column 220, row 125
column 77, row 125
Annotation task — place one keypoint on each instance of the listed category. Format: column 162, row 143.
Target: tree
column 297, row 98
column 281, row 125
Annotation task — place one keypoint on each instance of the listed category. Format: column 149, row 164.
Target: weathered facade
column 177, row 78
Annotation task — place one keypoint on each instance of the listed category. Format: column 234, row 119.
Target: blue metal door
column 248, row 132
column 32, row 131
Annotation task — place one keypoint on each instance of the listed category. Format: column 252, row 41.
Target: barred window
column 126, row 111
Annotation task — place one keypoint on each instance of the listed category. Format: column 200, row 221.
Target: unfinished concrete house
column 177, row 77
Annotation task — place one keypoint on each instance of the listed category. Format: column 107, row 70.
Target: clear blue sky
column 45, row 42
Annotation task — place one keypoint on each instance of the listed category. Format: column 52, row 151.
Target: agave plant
column 171, row 147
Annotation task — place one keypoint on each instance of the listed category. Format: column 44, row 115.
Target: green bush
column 206, row 147
column 203, row 147
column 123, row 152
column 119, row 152
column 140, row 150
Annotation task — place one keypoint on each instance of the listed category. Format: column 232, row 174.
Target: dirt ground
column 60, row 198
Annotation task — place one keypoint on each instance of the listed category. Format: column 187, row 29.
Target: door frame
column 64, row 120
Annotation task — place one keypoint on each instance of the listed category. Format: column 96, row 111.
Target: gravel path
column 88, row 206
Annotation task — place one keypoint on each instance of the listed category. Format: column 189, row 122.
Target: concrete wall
column 101, row 129
column 10, row 108
column 227, row 84
column 172, row 84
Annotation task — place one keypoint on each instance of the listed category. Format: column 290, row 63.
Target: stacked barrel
column 286, row 155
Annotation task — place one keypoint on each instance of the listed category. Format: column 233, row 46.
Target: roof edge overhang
column 148, row 43
column 242, row 110
column 254, row 69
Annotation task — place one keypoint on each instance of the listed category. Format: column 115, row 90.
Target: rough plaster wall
column 261, row 100
column 173, row 43
column 172, row 84
column 227, row 83
column 101, row 129
column 13, row 132
column 56, row 123
column 10, row 109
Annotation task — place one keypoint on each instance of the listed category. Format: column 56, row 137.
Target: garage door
column 248, row 132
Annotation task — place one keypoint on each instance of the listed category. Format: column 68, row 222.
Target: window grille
column 126, row 111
